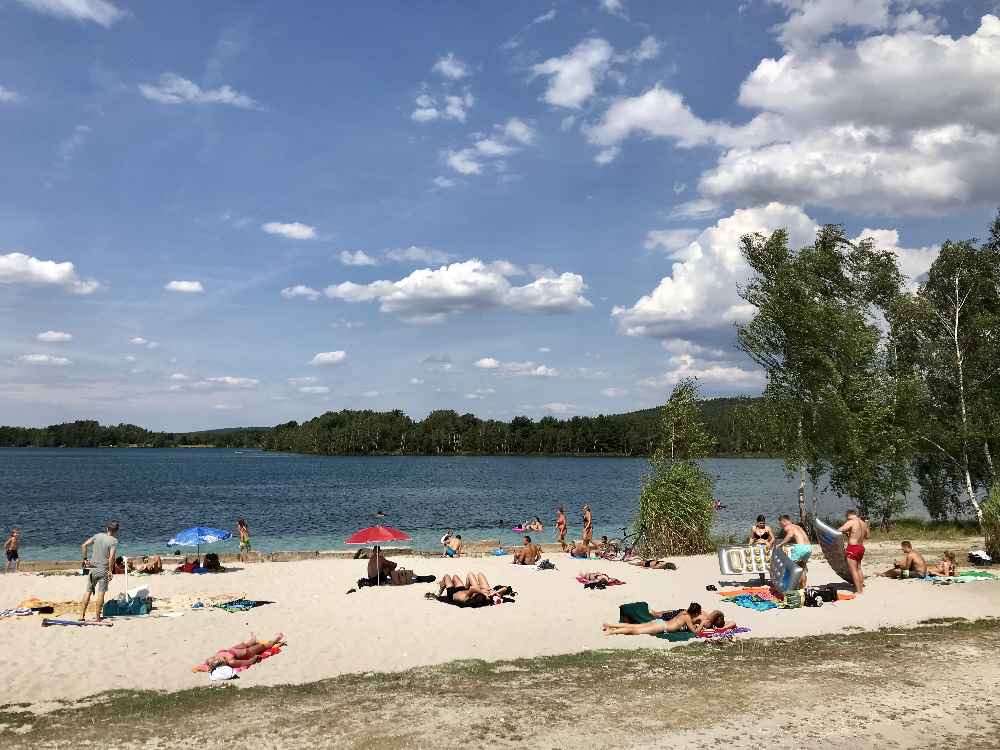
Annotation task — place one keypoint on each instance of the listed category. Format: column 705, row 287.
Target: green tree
column 676, row 506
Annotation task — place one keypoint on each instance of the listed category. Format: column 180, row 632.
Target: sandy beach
column 396, row 628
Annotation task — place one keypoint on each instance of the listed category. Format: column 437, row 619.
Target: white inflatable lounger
column 832, row 543
column 738, row 561
column 785, row 575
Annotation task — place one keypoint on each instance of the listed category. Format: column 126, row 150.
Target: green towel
column 976, row 574
column 638, row 612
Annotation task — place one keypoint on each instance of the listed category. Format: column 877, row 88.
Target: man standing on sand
column 561, row 527
column 10, row 551
column 800, row 548
column 101, row 567
column 588, row 526
column 857, row 532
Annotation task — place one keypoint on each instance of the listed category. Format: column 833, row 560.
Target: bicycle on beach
column 625, row 546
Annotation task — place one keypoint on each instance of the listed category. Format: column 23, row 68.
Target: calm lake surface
column 59, row 497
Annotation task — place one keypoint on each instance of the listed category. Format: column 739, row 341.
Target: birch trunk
column 960, row 372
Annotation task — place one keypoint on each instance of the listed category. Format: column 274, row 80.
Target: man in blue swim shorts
column 799, row 548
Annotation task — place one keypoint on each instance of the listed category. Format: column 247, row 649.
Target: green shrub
column 991, row 521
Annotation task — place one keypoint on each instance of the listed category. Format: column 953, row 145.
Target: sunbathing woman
column 667, row 622
column 946, row 566
column 241, row 655
column 640, row 562
column 714, row 619
column 148, row 565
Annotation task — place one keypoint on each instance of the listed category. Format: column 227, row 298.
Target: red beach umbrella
column 377, row 535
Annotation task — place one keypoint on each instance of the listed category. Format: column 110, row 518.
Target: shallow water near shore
column 58, row 497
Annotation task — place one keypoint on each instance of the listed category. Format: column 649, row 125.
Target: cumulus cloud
column 18, row 268
column 430, row 295
column 415, row 254
column 443, row 107
column 231, row 381
column 874, row 125
column 444, row 182
column 614, row 7
column 464, row 161
column 356, row 258
column 451, row 67
column 914, row 262
column 701, row 292
column 517, row 369
column 810, row 21
column 8, row 96
column 505, row 139
column 101, row 12
column 185, row 287
column 573, row 77
column 44, row 359
column 323, row 359
column 138, row 341
column 54, row 337
column 710, row 372
column 292, row 230
column 314, row 389
column 670, row 241
column 614, row 392
column 180, row 376
column 300, row 290
column 416, row 381
column 173, row 89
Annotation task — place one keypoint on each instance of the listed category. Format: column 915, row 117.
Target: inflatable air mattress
column 832, row 543
column 737, row 561
column 785, row 575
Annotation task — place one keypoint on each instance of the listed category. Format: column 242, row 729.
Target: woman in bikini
column 641, row 562
column 670, row 621
column 946, row 566
column 241, row 655
column 760, row 533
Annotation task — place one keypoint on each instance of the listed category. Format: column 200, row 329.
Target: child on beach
column 244, row 532
column 10, row 550
column 945, row 567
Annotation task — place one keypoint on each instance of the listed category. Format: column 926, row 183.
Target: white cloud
column 54, row 337
column 648, row 49
column 185, row 287
column 8, row 96
column 153, row 345
column 873, row 126
column 226, row 407
column 314, row 389
column 356, row 258
column 430, row 295
column 293, row 230
column 179, row 376
column 328, row 358
column 670, row 240
column 18, row 268
column 517, row 369
column 233, row 382
column 416, row 381
column 443, row 182
column 138, row 341
column 101, row 12
column 913, row 262
column 308, row 380
column 699, row 208
column 416, row 254
column 129, row 358
column 446, row 107
column 464, row 161
column 573, row 78
column 614, row 7
column 492, row 147
column 701, row 291
column 300, row 290
column 558, row 407
column 173, row 89
column 44, row 359
column 451, row 67
column 812, row 20
column 516, row 129
column 614, row 392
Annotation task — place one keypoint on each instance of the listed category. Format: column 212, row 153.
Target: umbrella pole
column 378, row 567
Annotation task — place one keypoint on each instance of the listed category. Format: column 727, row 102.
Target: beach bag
column 401, row 577
column 127, row 606
column 546, row 565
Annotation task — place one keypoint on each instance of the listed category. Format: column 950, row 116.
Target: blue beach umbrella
column 199, row 535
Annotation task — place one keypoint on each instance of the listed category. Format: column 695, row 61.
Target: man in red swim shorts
column 857, row 532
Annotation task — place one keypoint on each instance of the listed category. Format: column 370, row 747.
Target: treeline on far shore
column 445, row 432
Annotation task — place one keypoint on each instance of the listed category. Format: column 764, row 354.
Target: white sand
column 395, row 628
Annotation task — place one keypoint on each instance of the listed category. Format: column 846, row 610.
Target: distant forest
column 445, row 432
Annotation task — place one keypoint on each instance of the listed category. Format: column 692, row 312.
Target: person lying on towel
column 713, row 620
column 241, row 655
column 656, row 564
column 474, row 592
column 912, row 565
column 670, row 621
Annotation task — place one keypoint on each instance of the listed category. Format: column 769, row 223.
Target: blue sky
column 236, row 213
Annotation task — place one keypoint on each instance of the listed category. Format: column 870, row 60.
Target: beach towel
column 240, row 605
column 752, row 601
column 19, row 612
column 609, row 582
column 722, row 632
column 764, row 592
column 274, row 650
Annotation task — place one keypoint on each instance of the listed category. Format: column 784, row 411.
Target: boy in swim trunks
column 856, row 531
column 799, row 548
column 10, row 549
column 453, row 548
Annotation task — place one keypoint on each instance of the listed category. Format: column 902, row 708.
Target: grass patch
column 916, row 528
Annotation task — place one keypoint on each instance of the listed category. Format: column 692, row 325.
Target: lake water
column 59, row 497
